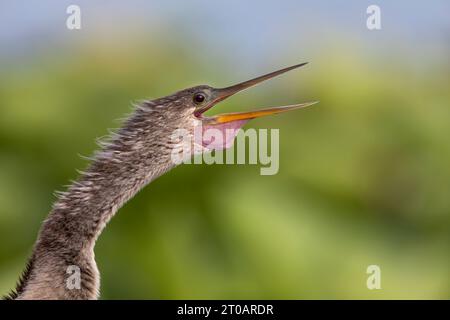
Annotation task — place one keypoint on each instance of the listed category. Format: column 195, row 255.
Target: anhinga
column 138, row 153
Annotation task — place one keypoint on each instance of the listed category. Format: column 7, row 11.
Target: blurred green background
column 364, row 175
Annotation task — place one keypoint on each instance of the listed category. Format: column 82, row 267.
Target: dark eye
column 199, row 98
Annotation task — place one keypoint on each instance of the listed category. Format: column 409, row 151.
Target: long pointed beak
column 223, row 93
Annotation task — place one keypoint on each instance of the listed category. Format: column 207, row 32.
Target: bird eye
column 199, row 98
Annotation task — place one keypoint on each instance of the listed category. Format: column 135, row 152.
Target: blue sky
column 243, row 28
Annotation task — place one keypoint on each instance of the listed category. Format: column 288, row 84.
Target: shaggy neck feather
column 138, row 153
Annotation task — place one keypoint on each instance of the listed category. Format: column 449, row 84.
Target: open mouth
column 223, row 93
column 229, row 123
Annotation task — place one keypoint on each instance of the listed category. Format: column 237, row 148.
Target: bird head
column 185, row 110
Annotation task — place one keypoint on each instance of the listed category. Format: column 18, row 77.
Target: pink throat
column 220, row 136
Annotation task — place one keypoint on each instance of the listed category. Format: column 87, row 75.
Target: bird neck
column 132, row 159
